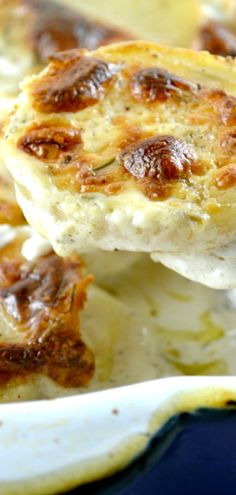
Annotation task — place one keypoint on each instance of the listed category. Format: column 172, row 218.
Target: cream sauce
column 216, row 269
column 180, row 327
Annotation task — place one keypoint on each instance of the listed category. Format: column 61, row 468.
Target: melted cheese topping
column 129, row 148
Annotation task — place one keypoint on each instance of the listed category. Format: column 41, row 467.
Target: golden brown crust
column 75, row 81
column 50, row 140
column 218, row 39
column 71, row 84
column 159, row 157
column 63, row 359
column 158, row 160
column 226, row 177
column 43, row 300
column 155, row 84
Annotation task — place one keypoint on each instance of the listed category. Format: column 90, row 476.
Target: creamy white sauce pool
column 176, row 326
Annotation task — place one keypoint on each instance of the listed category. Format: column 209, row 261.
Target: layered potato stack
column 116, row 147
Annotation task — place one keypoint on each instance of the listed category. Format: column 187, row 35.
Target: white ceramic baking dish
column 52, row 446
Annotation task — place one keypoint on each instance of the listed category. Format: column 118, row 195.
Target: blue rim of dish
column 199, row 422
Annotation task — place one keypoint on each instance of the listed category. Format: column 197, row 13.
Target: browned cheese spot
column 155, row 84
column 159, row 158
column 157, row 162
column 217, row 39
column 43, row 300
column 54, row 27
column 228, row 142
column 226, row 177
column 224, row 104
column 49, row 140
column 72, row 83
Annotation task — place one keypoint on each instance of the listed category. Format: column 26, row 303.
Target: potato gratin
column 131, row 147
column 128, row 148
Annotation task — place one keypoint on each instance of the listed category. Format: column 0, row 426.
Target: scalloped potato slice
column 32, row 29
column 40, row 306
column 171, row 22
column 131, row 147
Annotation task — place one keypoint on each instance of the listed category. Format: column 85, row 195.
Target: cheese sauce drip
column 35, row 246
